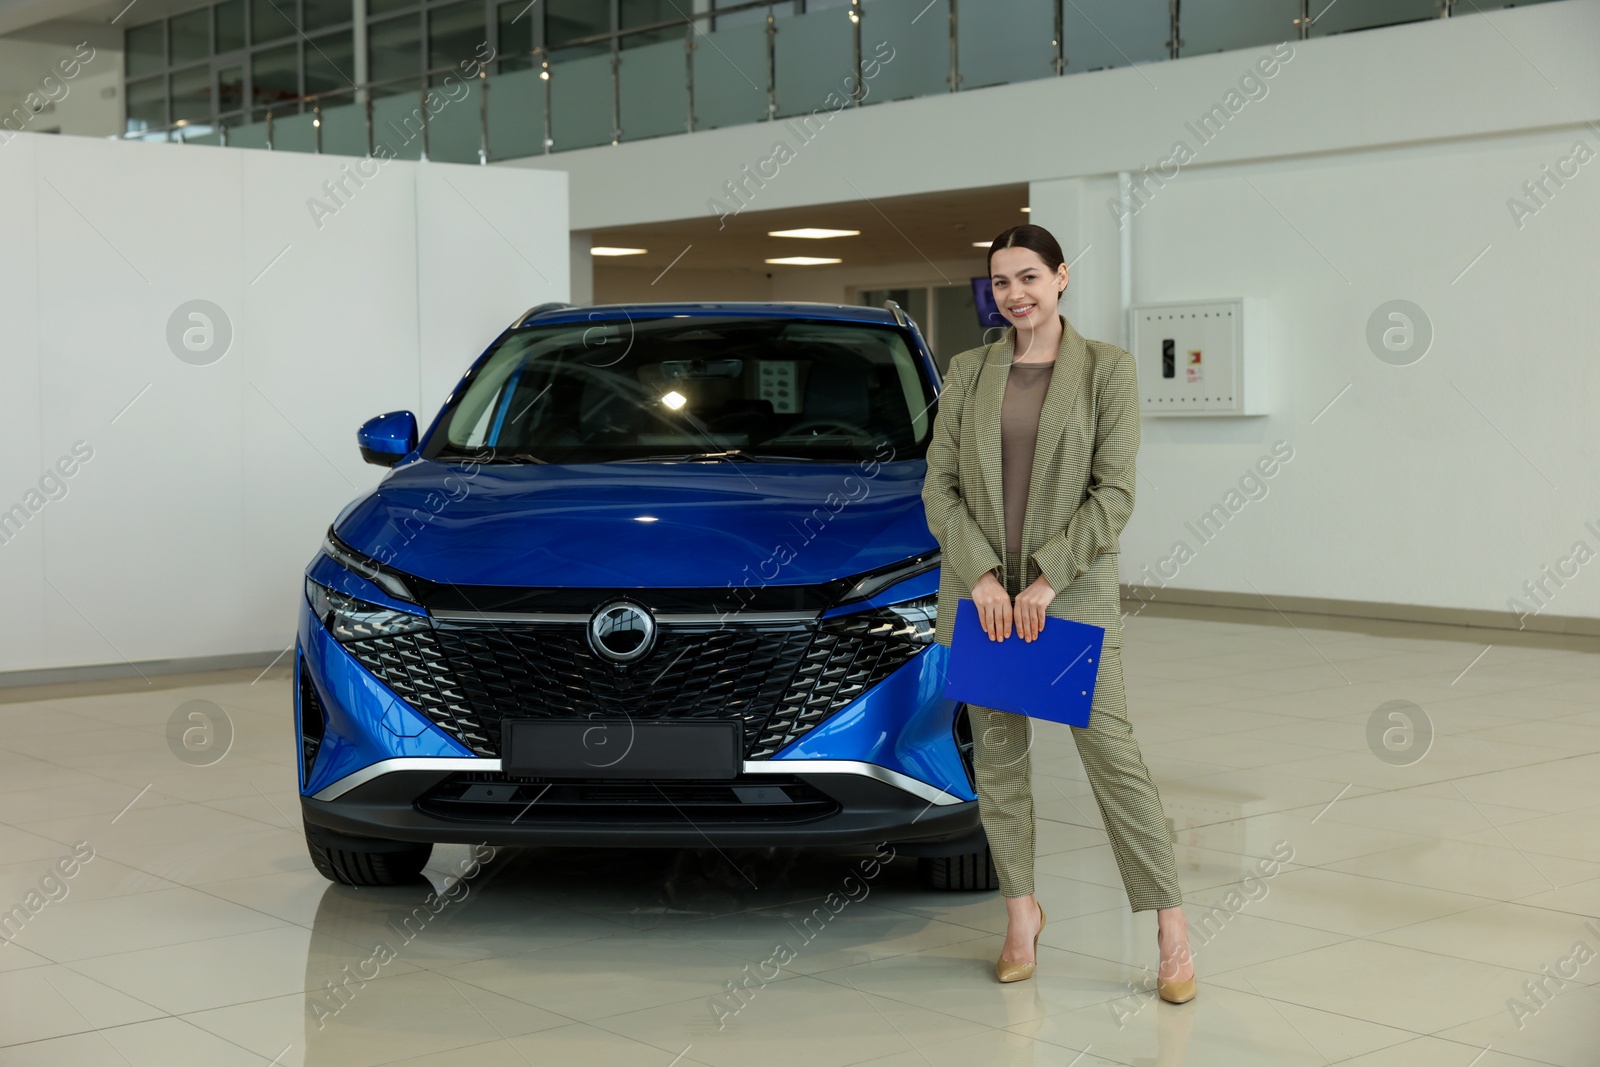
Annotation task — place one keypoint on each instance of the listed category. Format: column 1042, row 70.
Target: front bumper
column 846, row 807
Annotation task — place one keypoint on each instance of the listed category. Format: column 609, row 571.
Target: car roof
column 795, row 309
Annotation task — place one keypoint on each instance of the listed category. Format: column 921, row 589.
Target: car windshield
column 689, row 387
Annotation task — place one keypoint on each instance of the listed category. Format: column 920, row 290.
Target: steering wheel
column 850, row 427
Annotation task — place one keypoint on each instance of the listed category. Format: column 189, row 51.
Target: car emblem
column 622, row 632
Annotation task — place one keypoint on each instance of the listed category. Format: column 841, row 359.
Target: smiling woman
column 1028, row 491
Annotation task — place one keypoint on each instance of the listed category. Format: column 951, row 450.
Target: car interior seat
column 837, row 391
column 607, row 413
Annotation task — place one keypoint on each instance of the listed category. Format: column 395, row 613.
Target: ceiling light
column 1027, row 209
column 674, row 400
column 982, row 244
column 813, row 232
column 803, row 261
column 602, row 250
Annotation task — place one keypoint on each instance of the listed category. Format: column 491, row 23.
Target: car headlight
column 920, row 617
column 866, row 586
column 349, row 618
column 383, row 577
column 910, row 620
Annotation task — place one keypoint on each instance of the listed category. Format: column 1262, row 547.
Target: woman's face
column 1025, row 290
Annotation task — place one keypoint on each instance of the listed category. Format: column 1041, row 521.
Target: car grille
column 779, row 681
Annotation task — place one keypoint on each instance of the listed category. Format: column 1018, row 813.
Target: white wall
column 1378, row 166
column 73, row 70
column 210, row 486
column 1448, row 482
column 19, row 14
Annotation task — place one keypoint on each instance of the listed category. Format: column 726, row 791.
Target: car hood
column 642, row 525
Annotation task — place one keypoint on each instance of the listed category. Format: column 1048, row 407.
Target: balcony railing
column 629, row 85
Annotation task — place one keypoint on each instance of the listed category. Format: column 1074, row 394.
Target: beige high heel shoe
column 1171, row 991
column 1015, row 971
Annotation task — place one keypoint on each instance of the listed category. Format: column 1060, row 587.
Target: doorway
column 946, row 314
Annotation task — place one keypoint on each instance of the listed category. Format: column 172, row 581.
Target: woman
column 1030, row 482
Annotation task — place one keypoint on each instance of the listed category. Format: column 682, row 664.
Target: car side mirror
column 386, row 439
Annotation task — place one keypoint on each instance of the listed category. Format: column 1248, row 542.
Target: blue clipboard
column 1051, row 677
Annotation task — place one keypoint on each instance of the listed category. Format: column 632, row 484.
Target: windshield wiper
column 685, row 456
column 782, row 457
column 748, row 457
column 515, row 457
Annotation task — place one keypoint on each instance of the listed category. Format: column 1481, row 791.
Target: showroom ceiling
column 937, row 226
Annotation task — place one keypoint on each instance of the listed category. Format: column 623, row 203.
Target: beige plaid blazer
column 1081, row 492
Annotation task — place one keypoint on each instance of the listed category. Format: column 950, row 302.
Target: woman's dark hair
column 1030, row 236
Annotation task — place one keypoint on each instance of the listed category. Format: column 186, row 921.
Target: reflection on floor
column 1358, row 892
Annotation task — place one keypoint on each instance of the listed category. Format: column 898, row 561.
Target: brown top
column 1019, row 431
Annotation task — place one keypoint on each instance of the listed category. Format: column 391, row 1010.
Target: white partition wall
column 212, row 472
column 1455, row 471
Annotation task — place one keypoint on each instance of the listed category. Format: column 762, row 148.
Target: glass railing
column 763, row 64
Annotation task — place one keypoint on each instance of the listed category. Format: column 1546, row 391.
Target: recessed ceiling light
column 601, row 250
column 982, row 244
column 813, row 232
column 803, row 261
column 1027, row 209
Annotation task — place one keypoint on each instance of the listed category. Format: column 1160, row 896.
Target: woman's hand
column 994, row 607
column 1030, row 609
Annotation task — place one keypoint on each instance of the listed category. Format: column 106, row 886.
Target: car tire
column 365, row 861
column 971, row 872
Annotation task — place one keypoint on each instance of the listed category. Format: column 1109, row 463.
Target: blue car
column 657, row 575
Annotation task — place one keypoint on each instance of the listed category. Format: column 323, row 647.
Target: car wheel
column 365, row 860
column 970, row 872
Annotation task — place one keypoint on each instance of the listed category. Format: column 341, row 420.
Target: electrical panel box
column 1201, row 357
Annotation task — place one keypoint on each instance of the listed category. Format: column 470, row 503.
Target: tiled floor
column 1422, row 901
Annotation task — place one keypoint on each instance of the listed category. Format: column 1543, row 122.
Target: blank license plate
column 621, row 748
